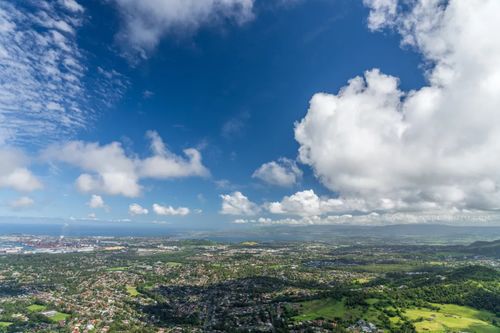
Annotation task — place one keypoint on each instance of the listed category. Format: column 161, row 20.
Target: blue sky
column 104, row 83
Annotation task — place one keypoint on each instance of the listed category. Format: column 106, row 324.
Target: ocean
column 87, row 229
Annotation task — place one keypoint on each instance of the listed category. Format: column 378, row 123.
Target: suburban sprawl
column 109, row 284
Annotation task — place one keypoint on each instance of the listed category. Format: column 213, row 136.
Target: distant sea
column 87, row 229
column 403, row 234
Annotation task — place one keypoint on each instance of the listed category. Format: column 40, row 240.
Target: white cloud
column 164, row 164
column 443, row 217
column 115, row 173
column 96, row 201
column 42, row 72
column 169, row 210
column 136, row 209
column 382, row 11
column 22, row 202
column 225, row 184
column 433, row 148
column 307, row 203
column 309, row 206
column 238, row 204
column 14, row 173
column 145, row 22
column 284, row 172
column 72, row 5
column 260, row 220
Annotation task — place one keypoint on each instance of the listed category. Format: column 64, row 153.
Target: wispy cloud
column 145, row 22
column 22, row 202
column 43, row 72
column 235, row 126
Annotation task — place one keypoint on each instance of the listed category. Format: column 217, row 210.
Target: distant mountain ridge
column 397, row 234
column 485, row 248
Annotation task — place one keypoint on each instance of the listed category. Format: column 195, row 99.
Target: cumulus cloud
column 169, row 210
column 22, row 202
column 14, row 173
column 238, row 204
column 145, row 22
column 443, row 217
column 114, row 172
column 428, row 149
column 306, row 207
column 42, row 72
column 164, row 164
column 284, row 172
column 260, row 220
column 96, row 201
column 136, row 209
column 308, row 203
column 382, row 12
column 303, row 203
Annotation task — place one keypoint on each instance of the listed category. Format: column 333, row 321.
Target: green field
column 5, row 324
column 449, row 317
column 173, row 264
column 36, row 307
column 59, row 316
column 327, row 308
column 55, row 318
column 363, row 280
column 132, row 291
column 452, row 318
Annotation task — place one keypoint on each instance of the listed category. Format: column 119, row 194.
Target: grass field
column 327, row 308
column 449, row 317
column 363, row 280
column 59, row 316
column 5, row 323
column 173, row 264
column 132, row 291
column 36, row 307
column 452, row 318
